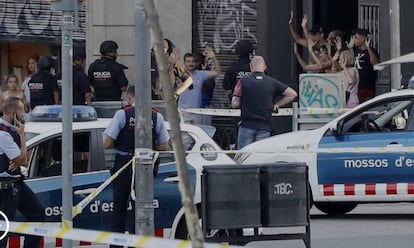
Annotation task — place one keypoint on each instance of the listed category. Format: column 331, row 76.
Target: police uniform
column 41, row 86
column 14, row 193
column 122, row 130
column 107, row 77
column 80, row 85
column 237, row 70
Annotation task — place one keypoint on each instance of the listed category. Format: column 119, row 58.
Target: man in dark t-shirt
column 255, row 95
column 365, row 59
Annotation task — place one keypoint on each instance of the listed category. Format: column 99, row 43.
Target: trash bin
column 231, row 196
column 284, row 194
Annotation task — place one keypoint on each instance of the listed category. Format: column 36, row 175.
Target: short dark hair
column 316, row 29
column 188, row 55
column 131, row 90
column 360, row 31
column 11, row 104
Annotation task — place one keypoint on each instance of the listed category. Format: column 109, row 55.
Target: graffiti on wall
column 29, row 17
column 223, row 22
column 321, row 91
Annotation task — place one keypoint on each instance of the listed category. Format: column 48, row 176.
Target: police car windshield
column 30, row 135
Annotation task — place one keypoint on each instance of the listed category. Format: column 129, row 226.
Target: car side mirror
column 338, row 131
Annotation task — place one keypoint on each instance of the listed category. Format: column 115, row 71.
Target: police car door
column 45, row 176
column 365, row 155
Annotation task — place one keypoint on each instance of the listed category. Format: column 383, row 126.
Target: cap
column 316, row 29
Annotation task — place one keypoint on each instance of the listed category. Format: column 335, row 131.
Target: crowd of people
column 352, row 59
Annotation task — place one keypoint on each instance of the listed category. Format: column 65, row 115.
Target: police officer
column 120, row 134
column 43, row 86
column 106, row 75
column 82, row 92
column 240, row 67
column 14, row 193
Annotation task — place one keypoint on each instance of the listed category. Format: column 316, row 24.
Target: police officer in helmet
column 43, row 85
column 240, row 67
column 14, row 193
column 106, row 75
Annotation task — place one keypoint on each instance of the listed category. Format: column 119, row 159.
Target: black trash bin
column 231, row 197
column 284, row 195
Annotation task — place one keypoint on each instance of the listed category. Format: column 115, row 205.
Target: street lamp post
column 67, row 7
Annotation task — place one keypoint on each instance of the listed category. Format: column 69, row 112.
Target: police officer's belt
column 8, row 183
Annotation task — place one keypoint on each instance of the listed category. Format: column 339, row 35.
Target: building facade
column 31, row 28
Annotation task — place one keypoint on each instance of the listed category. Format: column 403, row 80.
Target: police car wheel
column 335, row 208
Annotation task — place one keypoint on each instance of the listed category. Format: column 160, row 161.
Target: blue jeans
column 248, row 135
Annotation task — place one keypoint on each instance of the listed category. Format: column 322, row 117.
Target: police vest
column 106, row 88
column 125, row 141
column 4, row 160
column 41, row 92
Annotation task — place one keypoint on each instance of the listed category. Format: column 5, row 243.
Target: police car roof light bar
column 53, row 113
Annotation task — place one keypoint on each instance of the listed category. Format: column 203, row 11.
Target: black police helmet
column 244, row 47
column 108, row 46
column 45, row 63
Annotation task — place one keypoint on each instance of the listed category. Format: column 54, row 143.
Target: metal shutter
column 33, row 21
column 222, row 23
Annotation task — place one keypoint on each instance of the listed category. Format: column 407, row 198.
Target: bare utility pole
column 184, row 184
column 144, row 181
column 395, row 43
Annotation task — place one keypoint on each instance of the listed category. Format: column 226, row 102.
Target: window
column 383, row 117
column 46, row 158
column 188, row 142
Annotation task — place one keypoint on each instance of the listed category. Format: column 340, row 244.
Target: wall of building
column 115, row 20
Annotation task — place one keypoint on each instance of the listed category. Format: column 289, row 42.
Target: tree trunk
column 173, row 117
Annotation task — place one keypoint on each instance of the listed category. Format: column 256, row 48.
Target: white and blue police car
column 91, row 165
column 365, row 155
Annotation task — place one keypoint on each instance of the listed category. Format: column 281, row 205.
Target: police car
column 365, row 155
column 91, row 165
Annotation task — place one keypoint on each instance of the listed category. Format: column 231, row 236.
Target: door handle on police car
column 84, row 191
column 394, row 144
column 174, row 179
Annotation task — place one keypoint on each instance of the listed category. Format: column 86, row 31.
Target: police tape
column 281, row 112
column 82, row 204
column 52, row 230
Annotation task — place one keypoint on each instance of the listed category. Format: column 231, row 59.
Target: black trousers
column 20, row 197
column 121, row 189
